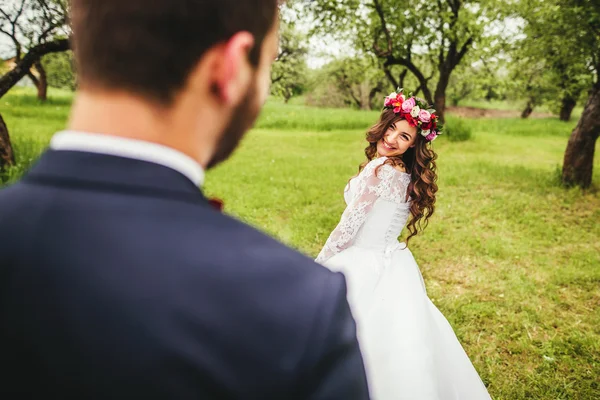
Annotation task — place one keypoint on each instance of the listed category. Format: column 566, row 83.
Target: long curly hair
column 419, row 162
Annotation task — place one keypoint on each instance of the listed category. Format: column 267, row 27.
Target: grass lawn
column 511, row 258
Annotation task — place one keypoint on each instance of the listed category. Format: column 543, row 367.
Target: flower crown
column 416, row 112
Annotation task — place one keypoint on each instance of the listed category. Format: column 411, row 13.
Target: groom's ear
column 230, row 69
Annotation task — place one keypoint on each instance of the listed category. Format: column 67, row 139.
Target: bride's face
column 398, row 138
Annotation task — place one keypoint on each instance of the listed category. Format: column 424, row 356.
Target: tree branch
column 5, row 15
column 385, row 30
column 402, row 77
column 388, row 74
column 414, row 70
column 52, row 27
column 8, row 34
column 443, row 34
column 465, row 47
column 19, row 12
column 11, row 78
column 15, row 42
column 454, row 6
column 282, row 54
column 31, row 76
column 274, row 81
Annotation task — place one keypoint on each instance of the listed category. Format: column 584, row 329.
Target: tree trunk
column 12, row 77
column 528, row 110
column 40, row 83
column 579, row 157
column 439, row 100
column 373, row 103
column 6, row 153
column 42, row 86
column 566, row 108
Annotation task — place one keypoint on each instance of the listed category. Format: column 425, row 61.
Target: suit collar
column 95, row 171
column 129, row 148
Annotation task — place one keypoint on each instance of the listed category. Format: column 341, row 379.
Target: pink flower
column 424, row 116
column 431, row 137
column 397, row 109
column 408, row 105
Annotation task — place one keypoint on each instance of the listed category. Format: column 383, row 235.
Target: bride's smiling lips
column 387, row 145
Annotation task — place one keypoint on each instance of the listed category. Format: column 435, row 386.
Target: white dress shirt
column 129, row 148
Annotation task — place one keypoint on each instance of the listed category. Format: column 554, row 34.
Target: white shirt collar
column 129, row 148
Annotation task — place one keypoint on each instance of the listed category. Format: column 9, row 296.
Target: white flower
column 392, row 95
column 415, row 111
column 425, row 132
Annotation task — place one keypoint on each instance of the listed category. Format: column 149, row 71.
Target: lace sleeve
column 373, row 183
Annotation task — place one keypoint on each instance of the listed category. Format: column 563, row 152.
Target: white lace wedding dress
column 409, row 348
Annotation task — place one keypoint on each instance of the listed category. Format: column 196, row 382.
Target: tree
column 577, row 24
column 359, row 80
column 426, row 38
column 353, row 81
column 529, row 79
column 35, row 28
column 478, row 78
column 562, row 69
column 288, row 75
column 60, row 70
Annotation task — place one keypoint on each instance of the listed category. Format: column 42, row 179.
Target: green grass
column 493, row 104
column 510, row 257
column 278, row 116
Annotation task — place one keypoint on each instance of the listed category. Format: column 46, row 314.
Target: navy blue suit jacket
column 119, row 281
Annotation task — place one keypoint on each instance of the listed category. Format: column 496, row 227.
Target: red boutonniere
column 217, row 204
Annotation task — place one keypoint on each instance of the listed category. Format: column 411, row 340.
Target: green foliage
column 355, row 82
column 558, row 56
column 478, row 78
column 289, row 72
column 457, row 130
column 529, row 79
column 509, row 257
column 60, row 71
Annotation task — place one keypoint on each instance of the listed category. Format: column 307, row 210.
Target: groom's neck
column 124, row 115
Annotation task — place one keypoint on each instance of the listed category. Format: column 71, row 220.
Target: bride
column 410, row 349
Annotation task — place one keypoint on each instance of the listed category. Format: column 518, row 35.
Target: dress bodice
column 376, row 212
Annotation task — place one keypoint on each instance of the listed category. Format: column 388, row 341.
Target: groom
column 118, row 279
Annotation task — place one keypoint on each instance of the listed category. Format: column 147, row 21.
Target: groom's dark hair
column 150, row 47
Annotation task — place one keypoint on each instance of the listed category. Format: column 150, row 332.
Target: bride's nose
column 391, row 136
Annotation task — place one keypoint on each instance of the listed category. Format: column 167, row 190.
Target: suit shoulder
column 254, row 246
